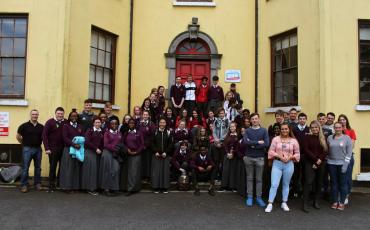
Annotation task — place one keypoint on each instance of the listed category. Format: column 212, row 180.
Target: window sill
column 363, row 177
column 101, row 106
column 362, row 107
column 14, row 102
column 285, row 108
column 209, row 4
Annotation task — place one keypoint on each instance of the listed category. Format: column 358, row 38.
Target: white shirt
column 190, row 91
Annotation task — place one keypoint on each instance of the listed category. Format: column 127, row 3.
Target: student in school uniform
column 300, row 130
column 279, row 119
column 177, row 95
column 215, row 95
column 137, row 114
column 104, row 123
column 161, row 147
column 183, row 116
column 124, row 126
column 236, row 95
column 241, row 176
column 210, row 119
column 190, row 88
column 109, row 169
column 203, row 169
column 202, row 97
column 70, row 167
column 170, row 119
column 293, row 121
column 196, row 121
column 90, row 166
column 53, row 143
column 229, row 172
column 180, row 161
column 154, row 107
column 181, row 134
column 87, row 116
column 201, row 139
column 146, row 128
column 161, row 100
column 133, row 140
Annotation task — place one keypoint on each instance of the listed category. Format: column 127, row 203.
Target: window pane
column 364, row 82
column 100, row 58
column 293, row 56
column 285, row 43
column 291, row 94
column 364, row 33
column 365, row 53
column 7, row 66
column 101, row 42
column 92, row 73
column 278, row 62
column 293, row 40
column 277, row 45
column 18, row 86
column 99, row 91
column 279, row 97
column 19, row 47
column 290, row 77
column 91, row 90
column 106, row 93
column 93, row 56
column 7, row 28
column 6, row 85
column 108, row 45
column 20, row 27
column 107, row 59
column 278, row 79
column 99, row 75
column 19, row 65
column 107, row 76
column 94, row 39
column 7, row 47
column 285, row 58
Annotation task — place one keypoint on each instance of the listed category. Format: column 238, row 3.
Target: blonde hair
column 321, row 135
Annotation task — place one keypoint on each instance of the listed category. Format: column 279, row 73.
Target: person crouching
column 203, row 169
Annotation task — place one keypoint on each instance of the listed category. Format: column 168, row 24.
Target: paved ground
column 40, row 210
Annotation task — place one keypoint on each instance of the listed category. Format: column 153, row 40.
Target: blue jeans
column 281, row 169
column 29, row 154
column 349, row 174
column 338, row 183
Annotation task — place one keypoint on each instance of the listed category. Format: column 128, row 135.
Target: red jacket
column 202, row 93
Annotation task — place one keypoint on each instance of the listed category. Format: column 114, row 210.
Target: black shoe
column 128, row 193
column 316, row 204
column 50, row 190
column 305, row 207
column 211, row 192
column 197, row 192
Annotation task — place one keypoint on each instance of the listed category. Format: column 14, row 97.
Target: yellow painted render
column 58, row 52
column 328, row 71
column 157, row 23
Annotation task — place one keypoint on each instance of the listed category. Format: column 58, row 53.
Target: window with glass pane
column 13, row 43
column 284, row 66
column 102, row 58
column 364, row 88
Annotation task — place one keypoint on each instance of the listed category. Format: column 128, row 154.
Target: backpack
column 10, row 174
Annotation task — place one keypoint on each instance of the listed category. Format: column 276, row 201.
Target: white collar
column 161, row 130
column 57, row 119
column 112, row 131
column 132, row 131
column 301, row 127
column 202, row 157
column 95, row 129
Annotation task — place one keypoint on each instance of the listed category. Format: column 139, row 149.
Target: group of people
column 203, row 135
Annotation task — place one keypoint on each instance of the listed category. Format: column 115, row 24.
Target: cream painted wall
column 157, row 23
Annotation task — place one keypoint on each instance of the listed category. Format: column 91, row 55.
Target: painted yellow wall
column 327, row 57
column 44, row 66
column 157, row 23
column 341, row 66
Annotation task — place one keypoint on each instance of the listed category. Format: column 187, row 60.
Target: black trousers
column 298, row 176
column 203, row 108
column 204, row 177
column 189, row 106
column 313, row 180
column 54, row 159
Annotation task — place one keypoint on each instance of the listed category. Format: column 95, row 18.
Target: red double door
column 198, row 69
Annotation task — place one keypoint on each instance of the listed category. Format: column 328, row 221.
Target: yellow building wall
column 157, row 23
column 276, row 17
column 341, row 55
column 44, row 65
column 112, row 16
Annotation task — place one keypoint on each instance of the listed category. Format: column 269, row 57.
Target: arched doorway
column 192, row 52
column 193, row 57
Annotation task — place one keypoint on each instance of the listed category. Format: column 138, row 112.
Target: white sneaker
column 285, row 207
column 346, row 201
column 268, row 208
